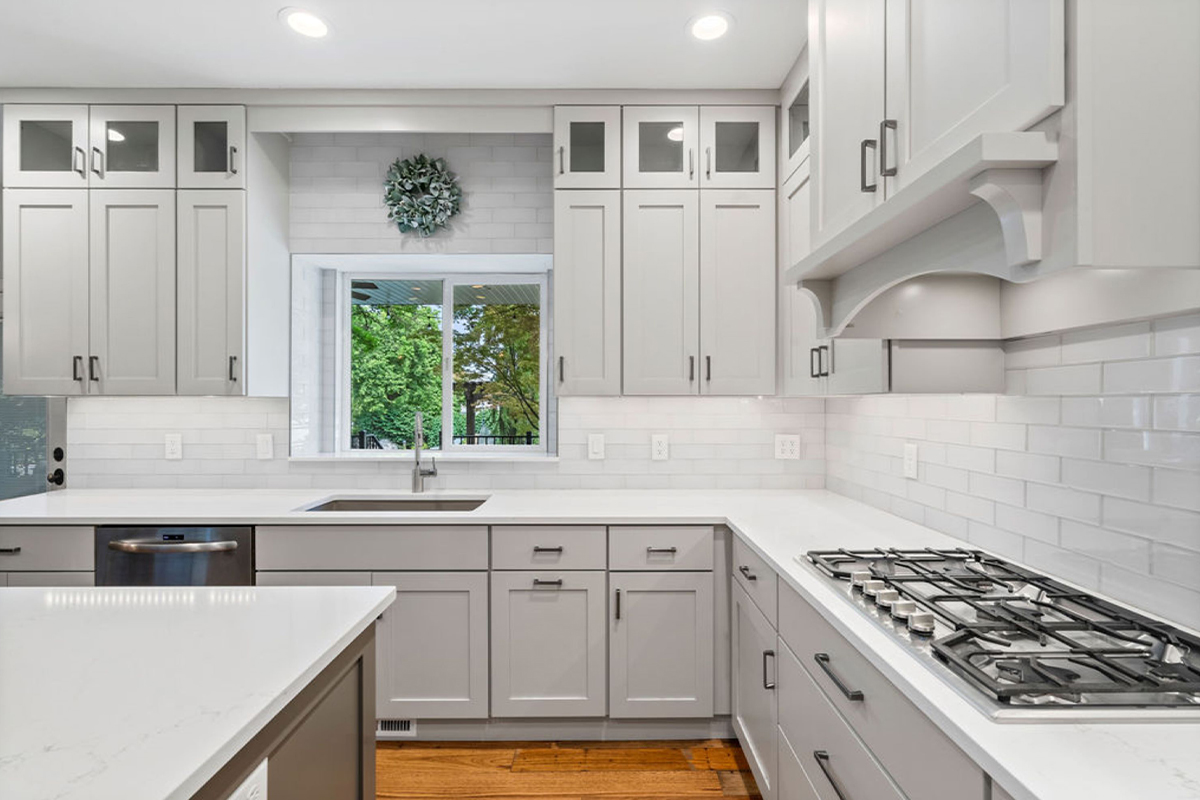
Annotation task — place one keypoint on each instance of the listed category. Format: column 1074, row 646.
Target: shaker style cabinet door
column 660, row 147
column 549, row 641
column 737, row 147
column 846, row 59
column 661, row 292
column 587, row 147
column 755, row 667
column 587, row 292
column 798, row 317
column 737, row 292
column 45, row 291
column 212, row 266
column 957, row 70
column 132, row 277
column 45, row 146
column 660, row 644
column 432, row 646
column 131, row 147
column 212, row 147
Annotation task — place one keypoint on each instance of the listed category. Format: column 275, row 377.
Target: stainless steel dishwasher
column 177, row 556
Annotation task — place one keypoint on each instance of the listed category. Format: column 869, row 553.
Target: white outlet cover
column 596, row 446
column 265, row 444
column 787, row 446
column 660, row 448
column 910, row 460
column 173, row 446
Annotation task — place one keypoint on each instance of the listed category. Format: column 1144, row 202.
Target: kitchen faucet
column 419, row 474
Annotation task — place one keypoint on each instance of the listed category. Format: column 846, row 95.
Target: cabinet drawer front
column 756, row 577
column 793, row 782
column 881, row 712
column 36, row 548
column 836, row 763
column 549, row 547
column 312, row 579
column 660, row 547
column 371, row 547
column 51, row 579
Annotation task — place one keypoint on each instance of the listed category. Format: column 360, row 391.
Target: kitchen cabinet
column 792, row 782
column 212, row 269
column 432, row 646
column 212, row 147
column 660, row 147
column 661, row 645
column 661, row 291
column 737, row 291
column 45, row 146
column 45, row 291
column 755, row 666
column 587, row 147
column 799, row 345
column 855, row 366
column 587, row 292
column 131, row 147
column 794, row 123
column 549, row 642
column 132, row 289
column 737, row 147
column 47, row 579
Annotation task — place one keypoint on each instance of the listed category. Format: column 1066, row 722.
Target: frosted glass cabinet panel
column 132, row 147
column 738, row 147
column 661, row 145
column 45, row 146
column 587, row 147
column 212, row 147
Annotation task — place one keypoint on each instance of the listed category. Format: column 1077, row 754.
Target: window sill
column 406, row 457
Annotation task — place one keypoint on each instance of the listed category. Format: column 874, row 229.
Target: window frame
column 450, row 279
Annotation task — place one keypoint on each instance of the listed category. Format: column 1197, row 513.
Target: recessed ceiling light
column 675, row 134
column 115, row 135
column 304, row 22
column 710, row 26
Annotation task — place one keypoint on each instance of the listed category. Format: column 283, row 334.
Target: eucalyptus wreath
column 421, row 194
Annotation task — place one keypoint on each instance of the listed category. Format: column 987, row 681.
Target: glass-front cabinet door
column 587, row 147
column 45, row 146
column 661, row 146
column 738, row 147
column 132, row 147
column 212, row 147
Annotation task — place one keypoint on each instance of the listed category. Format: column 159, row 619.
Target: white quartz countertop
column 145, row 693
column 1032, row 760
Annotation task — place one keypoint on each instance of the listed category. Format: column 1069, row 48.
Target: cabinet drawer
column 312, row 579
column 793, row 781
column 756, row 577
column 371, row 547
column 882, row 711
column 50, row 579
column 549, row 547
column 660, row 547
column 37, row 548
column 830, row 755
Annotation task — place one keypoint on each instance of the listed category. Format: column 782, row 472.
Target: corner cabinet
column 212, row 275
column 587, row 292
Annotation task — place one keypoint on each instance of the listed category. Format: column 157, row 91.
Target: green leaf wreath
column 421, row 194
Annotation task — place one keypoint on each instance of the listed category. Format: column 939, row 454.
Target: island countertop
column 145, row 693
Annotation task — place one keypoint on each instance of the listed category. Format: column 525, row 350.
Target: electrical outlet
column 659, row 448
column 265, row 443
column 787, row 446
column 910, row 460
column 173, row 446
column 596, row 446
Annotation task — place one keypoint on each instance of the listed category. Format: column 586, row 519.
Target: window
column 23, row 434
column 468, row 351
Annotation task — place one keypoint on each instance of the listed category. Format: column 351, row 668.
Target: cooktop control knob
column 859, row 577
column 902, row 609
column 921, row 622
column 885, row 598
column 874, row 587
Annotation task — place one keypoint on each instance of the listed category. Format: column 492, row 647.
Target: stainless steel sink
column 400, row 504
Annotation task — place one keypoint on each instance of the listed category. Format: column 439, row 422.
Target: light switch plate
column 910, row 460
column 596, row 446
column 173, row 446
column 265, row 444
column 787, row 446
column 660, row 449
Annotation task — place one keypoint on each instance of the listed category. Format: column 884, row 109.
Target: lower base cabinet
column 792, row 780
column 47, row 579
column 661, row 644
column 548, row 644
column 755, row 712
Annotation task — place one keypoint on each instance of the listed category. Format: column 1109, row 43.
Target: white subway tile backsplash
column 1156, row 522
column 1106, row 412
column 1059, row 441
column 977, row 508
column 1000, row 435
column 1042, row 527
column 1175, row 564
column 1039, row 410
column 1029, row 466
column 1072, row 566
column 1119, row 480
column 1177, row 335
column 1176, row 603
column 1158, row 448
column 1002, row 490
column 1040, row 351
column 1177, row 487
column 1177, row 412
column 1070, row 380
column 1106, row 545
column 975, row 459
column 1106, row 344
column 1003, row 543
column 1062, row 502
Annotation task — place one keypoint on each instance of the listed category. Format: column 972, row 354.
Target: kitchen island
column 182, row 692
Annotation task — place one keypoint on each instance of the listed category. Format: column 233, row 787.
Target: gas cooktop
column 1024, row 641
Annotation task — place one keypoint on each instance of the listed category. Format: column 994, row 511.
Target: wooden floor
column 565, row 771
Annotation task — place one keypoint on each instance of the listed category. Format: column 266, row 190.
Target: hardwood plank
column 501, row 784
column 738, row 784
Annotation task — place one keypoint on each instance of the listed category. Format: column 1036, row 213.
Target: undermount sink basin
column 400, row 504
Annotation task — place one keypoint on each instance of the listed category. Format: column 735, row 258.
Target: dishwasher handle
column 152, row 547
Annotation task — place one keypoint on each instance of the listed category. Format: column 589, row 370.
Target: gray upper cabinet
column 46, row 146
column 661, row 147
column 737, row 147
column 548, row 644
column 212, row 147
column 432, row 646
column 45, row 291
column 131, row 147
column 587, row 292
column 212, row 266
column 755, row 667
column 587, row 147
column 661, row 644
column 856, row 366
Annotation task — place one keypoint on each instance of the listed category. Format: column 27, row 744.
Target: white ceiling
column 503, row 44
